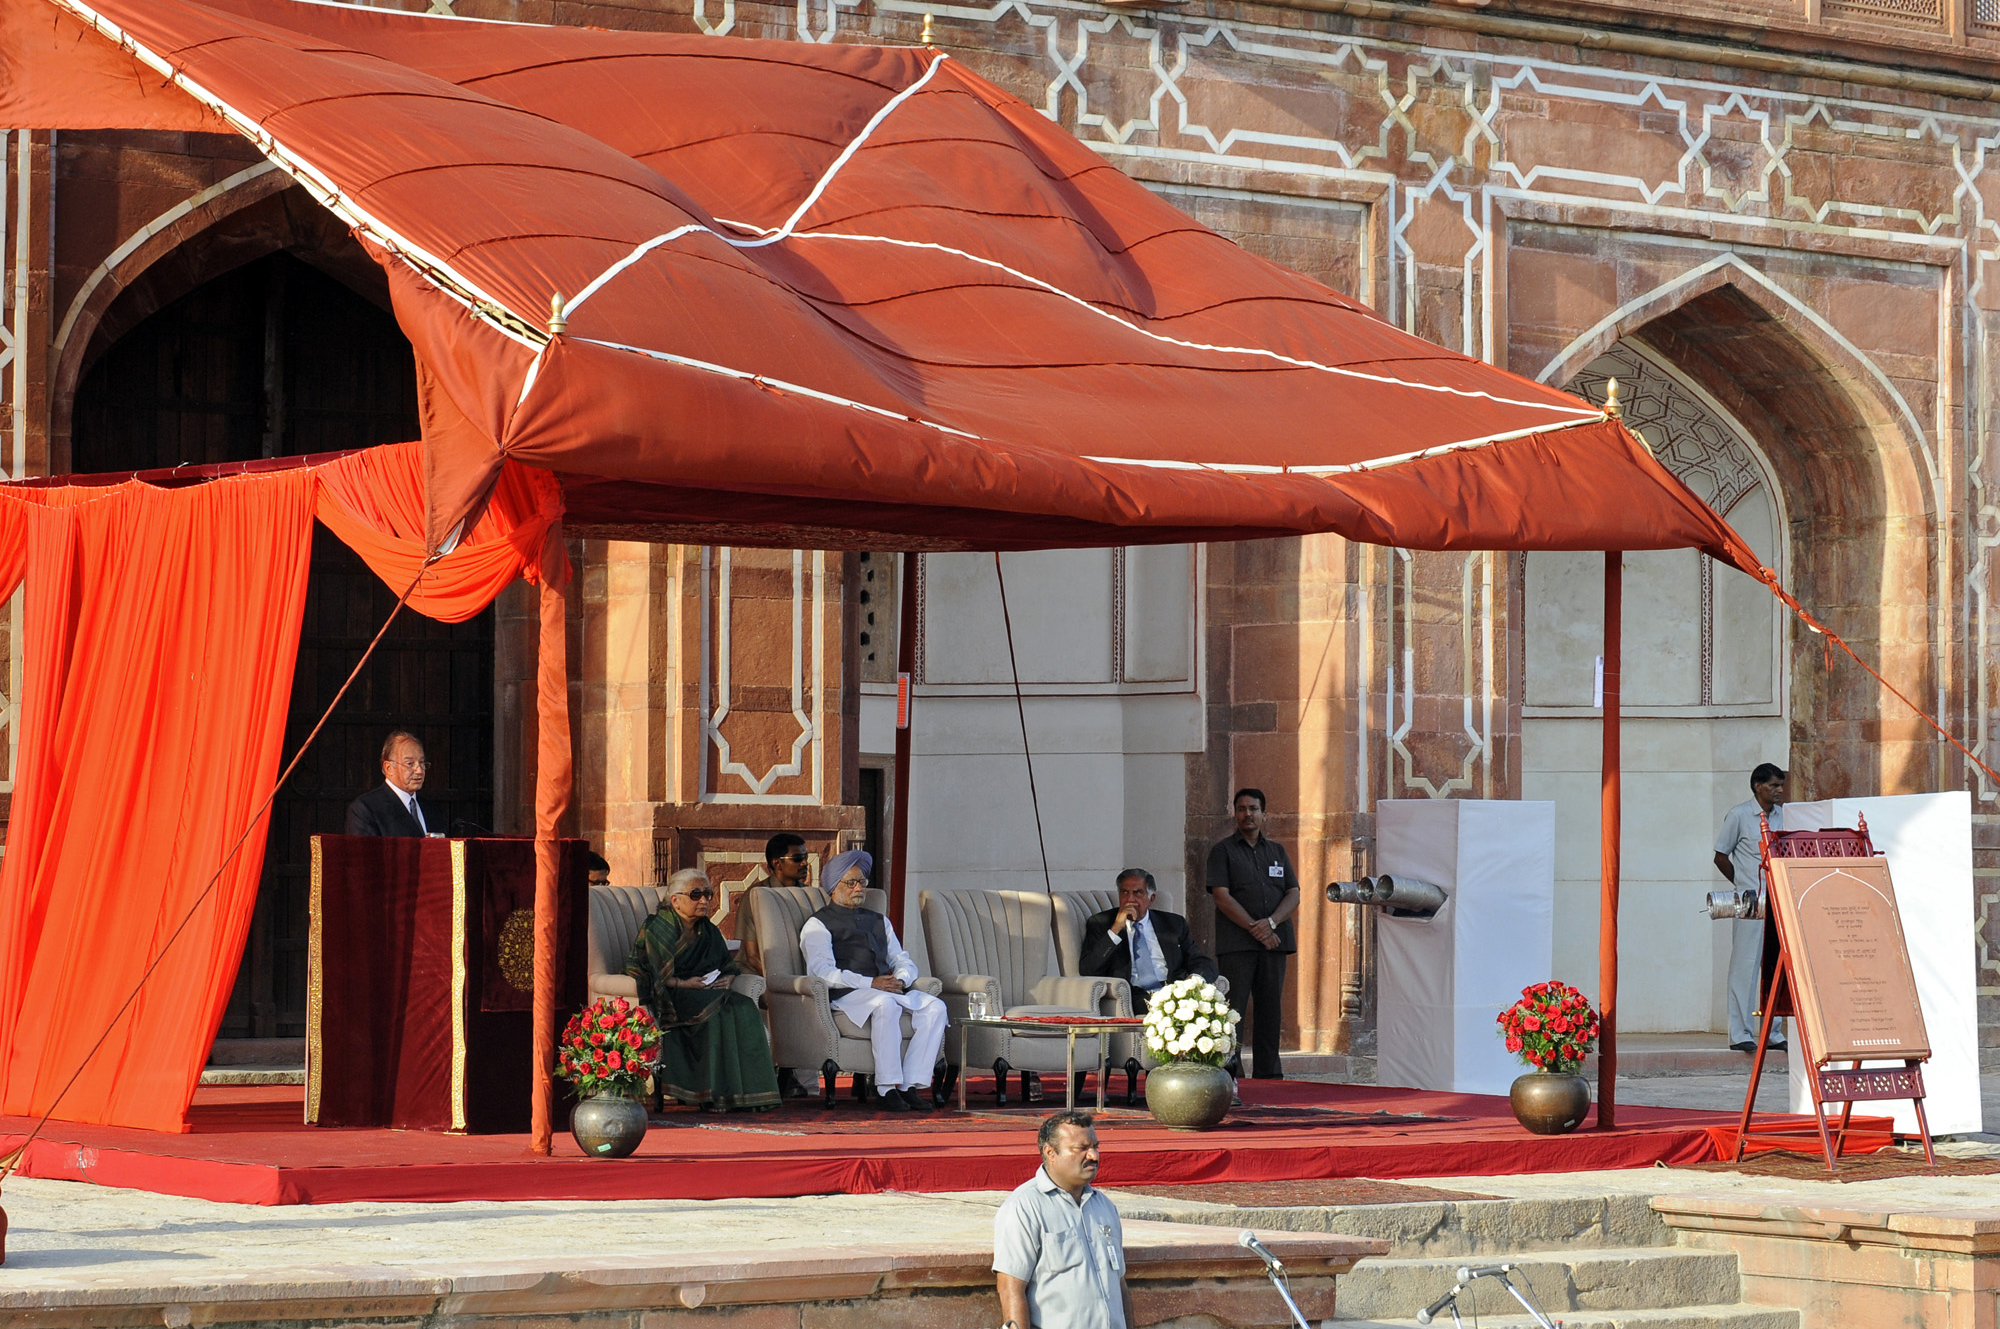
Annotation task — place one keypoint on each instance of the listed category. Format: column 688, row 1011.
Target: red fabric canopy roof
column 839, row 295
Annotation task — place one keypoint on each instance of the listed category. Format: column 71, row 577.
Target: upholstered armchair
column 1001, row 943
column 1127, row 1051
column 807, row 1033
column 616, row 915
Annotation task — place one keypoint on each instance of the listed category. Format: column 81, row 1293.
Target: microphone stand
column 1466, row 1277
column 1274, row 1269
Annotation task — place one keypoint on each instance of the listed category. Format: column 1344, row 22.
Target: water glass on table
column 979, row 1006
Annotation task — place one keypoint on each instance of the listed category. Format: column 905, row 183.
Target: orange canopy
column 837, row 295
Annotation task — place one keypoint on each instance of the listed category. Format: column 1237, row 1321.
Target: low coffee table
column 1073, row 1025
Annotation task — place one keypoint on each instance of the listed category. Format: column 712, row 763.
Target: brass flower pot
column 1187, row 1095
column 608, row 1125
column 1550, row 1102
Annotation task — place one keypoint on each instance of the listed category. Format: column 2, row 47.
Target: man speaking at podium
column 391, row 808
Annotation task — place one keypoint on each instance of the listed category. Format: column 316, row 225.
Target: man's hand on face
column 1126, row 913
column 890, row 983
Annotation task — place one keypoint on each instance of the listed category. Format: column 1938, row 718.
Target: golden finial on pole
column 1611, row 407
column 558, row 324
column 926, row 40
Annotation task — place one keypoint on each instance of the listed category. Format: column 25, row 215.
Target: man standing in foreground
column 391, row 808
column 1255, row 891
column 1058, row 1248
column 1739, row 857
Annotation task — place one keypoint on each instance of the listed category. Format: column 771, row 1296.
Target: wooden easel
column 1828, row 1085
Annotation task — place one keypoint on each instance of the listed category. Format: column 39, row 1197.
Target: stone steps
column 253, row 1075
column 1737, row 1316
column 1608, row 1279
column 1593, row 1262
column 1483, row 1231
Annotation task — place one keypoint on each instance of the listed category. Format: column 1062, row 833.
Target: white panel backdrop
column 1440, row 982
column 1927, row 839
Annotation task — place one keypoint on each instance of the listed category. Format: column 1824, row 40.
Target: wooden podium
column 420, row 980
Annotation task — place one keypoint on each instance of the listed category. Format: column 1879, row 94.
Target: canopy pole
column 906, row 690
column 1609, row 813
column 552, row 792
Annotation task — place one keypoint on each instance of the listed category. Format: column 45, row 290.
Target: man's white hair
column 683, row 881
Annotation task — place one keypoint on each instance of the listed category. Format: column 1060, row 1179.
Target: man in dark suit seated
column 1146, row 947
column 391, row 808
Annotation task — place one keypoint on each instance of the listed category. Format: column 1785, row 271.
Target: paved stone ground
column 75, row 1230
column 65, row 1234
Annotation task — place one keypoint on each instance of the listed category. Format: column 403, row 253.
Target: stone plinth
column 1852, row 1266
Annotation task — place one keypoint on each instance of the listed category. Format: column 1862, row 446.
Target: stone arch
column 1704, row 689
column 255, row 212
column 1860, row 485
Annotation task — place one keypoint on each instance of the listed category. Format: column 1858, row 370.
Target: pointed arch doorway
column 275, row 357
column 1705, row 699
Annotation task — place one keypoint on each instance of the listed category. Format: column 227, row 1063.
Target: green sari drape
column 712, row 1046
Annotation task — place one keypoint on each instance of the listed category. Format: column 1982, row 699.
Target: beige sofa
column 1001, row 943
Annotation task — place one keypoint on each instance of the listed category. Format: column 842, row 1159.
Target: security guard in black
column 1254, row 873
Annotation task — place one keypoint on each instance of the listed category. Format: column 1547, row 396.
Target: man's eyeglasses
column 414, row 764
column 701, row 895
column 800, row 857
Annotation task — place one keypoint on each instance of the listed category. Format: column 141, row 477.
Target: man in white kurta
column 856, row 953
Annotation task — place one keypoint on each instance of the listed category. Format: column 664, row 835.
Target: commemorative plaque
column 1852, row 983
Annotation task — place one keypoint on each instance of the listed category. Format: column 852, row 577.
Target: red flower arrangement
column 1551, row 1027
column 608, row 1048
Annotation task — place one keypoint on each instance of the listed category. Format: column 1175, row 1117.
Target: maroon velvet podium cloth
column 419, row 1002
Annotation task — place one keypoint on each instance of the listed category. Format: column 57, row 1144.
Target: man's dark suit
column 380, row 811
column 1104, row 956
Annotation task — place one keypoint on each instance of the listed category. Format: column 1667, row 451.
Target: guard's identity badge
column 1276, row 870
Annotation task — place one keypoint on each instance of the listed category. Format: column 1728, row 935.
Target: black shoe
column 1033, row 1093
column 1777, row 1045
column 1745, row 1046
column 789, row 1086
column 892, row 1101
column 918, row 1099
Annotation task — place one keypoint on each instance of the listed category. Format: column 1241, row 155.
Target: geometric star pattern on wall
column 1688, row 437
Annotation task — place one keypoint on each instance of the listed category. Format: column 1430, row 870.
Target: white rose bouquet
column 1189, row 1020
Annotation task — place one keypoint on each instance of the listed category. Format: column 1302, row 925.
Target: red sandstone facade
column 1791, row 205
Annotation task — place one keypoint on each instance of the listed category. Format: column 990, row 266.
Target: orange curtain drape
column 162, row 626
column 161, row 630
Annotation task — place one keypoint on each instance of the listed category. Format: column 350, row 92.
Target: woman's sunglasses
column 700, row 895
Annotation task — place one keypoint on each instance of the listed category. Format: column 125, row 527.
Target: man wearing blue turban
column 871, row 979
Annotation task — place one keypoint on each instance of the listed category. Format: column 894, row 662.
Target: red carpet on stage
column 250, row 1145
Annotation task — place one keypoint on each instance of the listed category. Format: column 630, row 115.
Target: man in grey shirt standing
column 1058, row 1248
column 1739, row 857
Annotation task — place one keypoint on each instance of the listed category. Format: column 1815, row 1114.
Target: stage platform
column 249, row 1145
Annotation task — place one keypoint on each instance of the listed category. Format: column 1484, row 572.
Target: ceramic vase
column 608, row 1125
column 1187, row 1095
column 1550, row 1102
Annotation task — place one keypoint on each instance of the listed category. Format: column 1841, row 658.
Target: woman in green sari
column 713, row 1051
